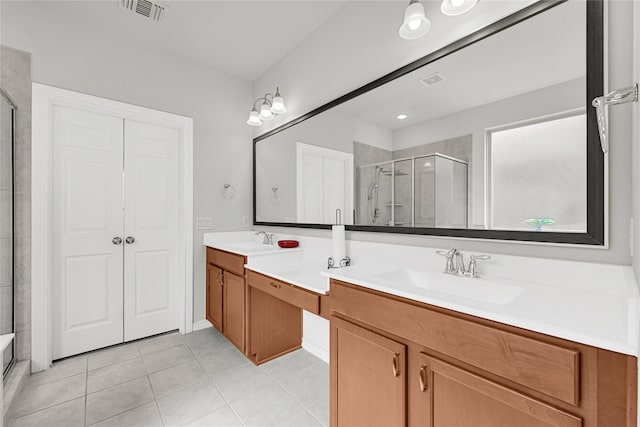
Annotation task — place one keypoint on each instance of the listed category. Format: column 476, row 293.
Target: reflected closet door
column 87, row 217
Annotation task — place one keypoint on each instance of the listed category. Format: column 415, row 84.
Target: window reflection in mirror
column 494, row 136
column 537, row 174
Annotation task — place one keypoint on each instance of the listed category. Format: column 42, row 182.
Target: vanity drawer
column 233, row 263
column 541, row 366
column 285, row 291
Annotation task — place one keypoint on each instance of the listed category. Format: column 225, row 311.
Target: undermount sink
column 478, row 289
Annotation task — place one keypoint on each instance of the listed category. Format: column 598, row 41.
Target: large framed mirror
column 492, row 136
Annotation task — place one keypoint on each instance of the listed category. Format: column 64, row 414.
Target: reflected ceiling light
column 271, row 106
column 401, row 116
column 457, row 7
column 415, row 23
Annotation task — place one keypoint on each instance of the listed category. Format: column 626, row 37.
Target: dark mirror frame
column 595, row 234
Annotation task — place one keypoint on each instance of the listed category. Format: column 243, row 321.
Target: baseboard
column 201, row 324
column 316, row 350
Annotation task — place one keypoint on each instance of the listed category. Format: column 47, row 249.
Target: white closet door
column 152, row 179
column 87, row 205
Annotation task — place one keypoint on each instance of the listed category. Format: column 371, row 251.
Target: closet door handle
column 129, row 240
column 116, row 240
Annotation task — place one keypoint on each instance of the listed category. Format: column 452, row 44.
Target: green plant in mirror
column 539, row 222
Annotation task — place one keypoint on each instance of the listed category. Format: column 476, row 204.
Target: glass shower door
column 7, row 117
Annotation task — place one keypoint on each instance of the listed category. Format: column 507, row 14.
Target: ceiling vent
column 432, row 79
column 153, row 11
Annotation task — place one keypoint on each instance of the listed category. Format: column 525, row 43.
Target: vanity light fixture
column 401, row 116
column 457, row 7
column 415, row 24
column 271, row 106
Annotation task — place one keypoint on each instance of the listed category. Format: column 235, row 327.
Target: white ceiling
column 545, row 50
column 242, row 38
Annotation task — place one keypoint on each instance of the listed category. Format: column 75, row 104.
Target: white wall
column 353, row 48
column 70, row 54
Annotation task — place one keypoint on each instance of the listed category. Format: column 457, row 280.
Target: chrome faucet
column 450, row 266
column 267, row 239
column 455, row 263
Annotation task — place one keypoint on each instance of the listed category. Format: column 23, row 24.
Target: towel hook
column 619, row 96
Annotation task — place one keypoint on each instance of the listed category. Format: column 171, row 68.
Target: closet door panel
column 151, row 217
column 87, row 216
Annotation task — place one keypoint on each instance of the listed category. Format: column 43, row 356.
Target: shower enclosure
column 7, row 125
column 428, row 191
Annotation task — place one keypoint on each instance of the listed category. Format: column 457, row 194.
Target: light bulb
column 414, row 24
column 457, row 7
column 277, row 106
column 265, row 111
column 254, row 118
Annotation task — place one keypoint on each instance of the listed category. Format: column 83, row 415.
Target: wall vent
column 432, row 79
column 151, row 10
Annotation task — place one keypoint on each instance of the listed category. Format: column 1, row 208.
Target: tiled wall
column 16, row 79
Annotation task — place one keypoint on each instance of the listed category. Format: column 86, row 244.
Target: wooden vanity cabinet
column 466, row 371
column 371, row 368
column 226, row 290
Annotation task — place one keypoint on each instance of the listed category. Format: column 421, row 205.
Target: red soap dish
column 288, row 243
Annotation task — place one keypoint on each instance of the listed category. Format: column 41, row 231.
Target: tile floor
column 198, row 379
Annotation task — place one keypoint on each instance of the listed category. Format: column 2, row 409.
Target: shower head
column 372, row 190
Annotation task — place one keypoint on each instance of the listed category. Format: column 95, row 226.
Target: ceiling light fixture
column 401, row 116
column 457, row 7
column 271, row 106
column 415, row 22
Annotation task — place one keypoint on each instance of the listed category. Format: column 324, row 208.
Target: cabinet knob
column 116, row 240
column 129, row 240
column 423, row 378
column 275, row 285
column 395, row 364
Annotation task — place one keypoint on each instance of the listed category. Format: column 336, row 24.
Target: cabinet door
column 214, row 296
column 368, row 386
column 234, row 309
column 456, row 397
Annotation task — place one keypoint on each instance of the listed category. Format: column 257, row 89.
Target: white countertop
column 589, row 303
column 604, row 320
column 243, row 243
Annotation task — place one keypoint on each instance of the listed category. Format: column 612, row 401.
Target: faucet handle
column 449, row 254
column 473, row 263
column 449, row 268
